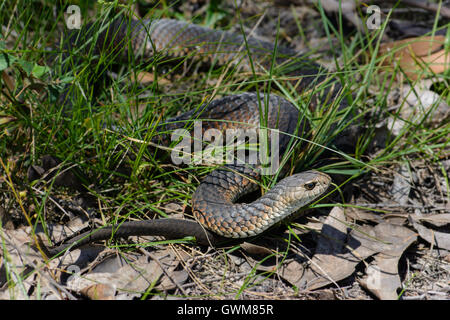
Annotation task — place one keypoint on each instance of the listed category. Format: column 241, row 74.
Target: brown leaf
column 339, row 264
column 401, row 186
column 16, row 255
column 176, row 278
column 414, row 55
column 256, row 250
column 439, row 239
column 147, row 77
column 293, row 272
column 437, row 220
column 333, row 234
column 382, row 278
column 382, row 274
column 9, row 81
column 329, row 264
column 133, row 278
column 99, row 291
column 361, row 215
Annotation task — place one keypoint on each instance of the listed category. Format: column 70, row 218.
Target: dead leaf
column 341, row 259
column 177, row 278
column 401, row 185
column 358, row 214
column 382, row 278
column 99, row 292
column 436, row 238
column 59, row 232
column 382, row 274
column 148, row 77
column 9, row 81
column 417, row 56
column 256, row 250
column 329, row 264
column 391, row 239
column 16, row 256
column 133, row 278
column 293, row 272
column 437, row 220
column 333, row 234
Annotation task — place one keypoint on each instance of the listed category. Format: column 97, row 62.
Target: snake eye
column 310, row 186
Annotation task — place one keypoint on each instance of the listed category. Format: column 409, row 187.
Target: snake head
column 302, row 188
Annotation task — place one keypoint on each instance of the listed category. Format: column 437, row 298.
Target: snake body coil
column 214, row 202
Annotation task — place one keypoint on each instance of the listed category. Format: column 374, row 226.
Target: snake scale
column 217, row 214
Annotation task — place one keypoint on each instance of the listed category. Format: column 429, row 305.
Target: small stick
column 426, row 5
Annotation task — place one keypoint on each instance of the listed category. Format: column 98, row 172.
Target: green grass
column 32, row 123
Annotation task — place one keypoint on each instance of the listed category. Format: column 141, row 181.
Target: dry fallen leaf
column 133, row 278
column 401, row 185
column 338, row 259
column 17, row 259
column 330, row 262
column 382, row 277
column 256, row 250
column 436, row 238
column 293, row 272
column 99, row 291
column 176, row 278
column 148, row 77
column 329, row 267
column 437, row 220
column 417, row 56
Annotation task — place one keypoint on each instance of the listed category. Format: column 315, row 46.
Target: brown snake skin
column 213, row 202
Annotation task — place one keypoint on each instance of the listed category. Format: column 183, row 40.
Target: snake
column 218, row 214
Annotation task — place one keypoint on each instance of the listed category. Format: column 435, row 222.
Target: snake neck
column 214, row 202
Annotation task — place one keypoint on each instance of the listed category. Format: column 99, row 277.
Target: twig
column 426, row 5
column 397, row 205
